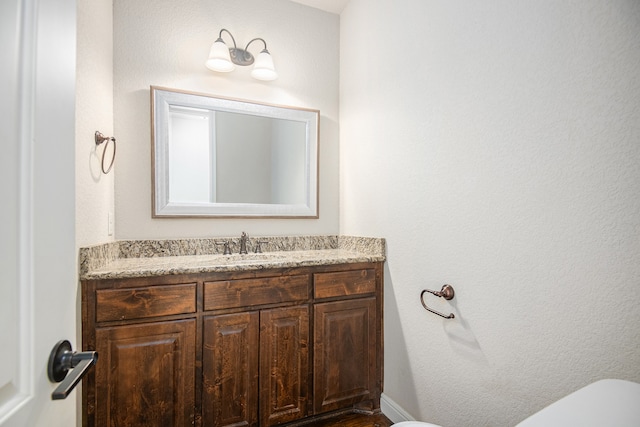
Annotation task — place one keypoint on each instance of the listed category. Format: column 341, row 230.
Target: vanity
column 189, row 336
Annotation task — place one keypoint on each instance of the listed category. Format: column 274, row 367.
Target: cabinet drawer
column 249, row 292
column 344, row 283
column 139, row 303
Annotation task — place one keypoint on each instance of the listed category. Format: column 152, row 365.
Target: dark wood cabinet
column 347, row 339
column 255, row 367
column 344, row 353
column 230, row 370
column 146, row 374
column 250, row 348
column 256, row 363
column 284, row 364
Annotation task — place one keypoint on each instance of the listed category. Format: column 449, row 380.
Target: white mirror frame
column 163, row 98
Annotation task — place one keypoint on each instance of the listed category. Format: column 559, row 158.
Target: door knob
column 62, row 360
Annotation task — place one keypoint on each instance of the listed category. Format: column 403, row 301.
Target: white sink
column 252, row 258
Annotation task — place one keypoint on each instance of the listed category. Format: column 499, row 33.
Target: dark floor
column 355, row 420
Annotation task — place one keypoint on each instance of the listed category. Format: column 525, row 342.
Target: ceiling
column 333, row 6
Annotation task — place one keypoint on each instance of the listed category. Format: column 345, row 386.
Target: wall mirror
column 218, row 157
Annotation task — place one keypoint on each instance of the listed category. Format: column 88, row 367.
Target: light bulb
column 219, row 58
column 263, row 68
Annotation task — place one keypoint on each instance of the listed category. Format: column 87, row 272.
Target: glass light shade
column 263, row 68
column 219, row 58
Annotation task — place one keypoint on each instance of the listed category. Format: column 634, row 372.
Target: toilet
column 609, row 402
column 414, row 424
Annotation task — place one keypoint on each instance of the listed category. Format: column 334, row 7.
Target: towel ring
column 100, row 138
column 446, row 292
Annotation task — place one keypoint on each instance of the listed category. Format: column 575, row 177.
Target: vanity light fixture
column 224, row 59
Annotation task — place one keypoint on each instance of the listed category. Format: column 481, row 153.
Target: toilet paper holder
column 446, row 292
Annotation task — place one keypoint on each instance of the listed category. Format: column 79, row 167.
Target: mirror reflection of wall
column 288, row 180
column 224, row 157
column 190, row 172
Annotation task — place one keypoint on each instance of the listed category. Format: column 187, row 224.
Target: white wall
column 165, row 43
column 94, row 191
column 94, row 112
column 496, row 145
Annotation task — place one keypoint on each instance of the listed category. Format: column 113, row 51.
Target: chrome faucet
column 243, row 242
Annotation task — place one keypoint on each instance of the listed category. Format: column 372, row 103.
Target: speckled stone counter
column 146, row 258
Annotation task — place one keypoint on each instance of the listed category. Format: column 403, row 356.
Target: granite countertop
column 146, row 258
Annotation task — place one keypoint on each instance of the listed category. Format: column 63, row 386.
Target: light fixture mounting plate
column 240, row 56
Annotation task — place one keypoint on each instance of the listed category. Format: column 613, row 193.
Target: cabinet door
column 344, row 353
column 145, row 375
column 230, row 370
column 284, row 364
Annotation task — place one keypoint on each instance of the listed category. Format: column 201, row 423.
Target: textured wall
column 165, row 43
column 94, row 112
column 496, row 145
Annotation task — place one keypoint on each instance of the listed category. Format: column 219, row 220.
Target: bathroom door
column 38, row 283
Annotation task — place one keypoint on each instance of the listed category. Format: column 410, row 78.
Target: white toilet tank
column 603, row 403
